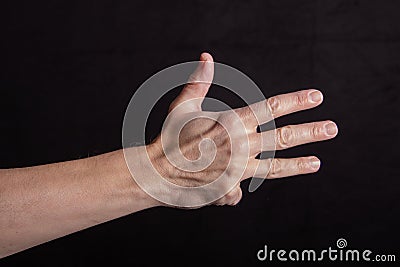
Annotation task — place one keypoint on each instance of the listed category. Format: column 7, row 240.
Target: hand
column 199, row 158
column 197, row 147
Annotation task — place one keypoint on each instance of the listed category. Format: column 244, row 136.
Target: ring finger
column 280, row 167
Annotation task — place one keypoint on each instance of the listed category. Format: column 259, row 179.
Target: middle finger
column 294, row 135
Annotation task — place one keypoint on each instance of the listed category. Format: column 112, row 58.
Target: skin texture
column 39, row 204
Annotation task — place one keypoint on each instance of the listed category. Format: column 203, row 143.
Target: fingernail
column 330, row 128
column 315, row 163
column 315, row 96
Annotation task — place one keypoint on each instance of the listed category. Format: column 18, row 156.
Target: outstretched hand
column 197, row 147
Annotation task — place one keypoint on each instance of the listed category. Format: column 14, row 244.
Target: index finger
column 280, row 105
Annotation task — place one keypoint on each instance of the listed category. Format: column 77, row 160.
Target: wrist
column 124, row 184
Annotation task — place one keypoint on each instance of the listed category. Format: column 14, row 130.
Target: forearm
column 38, row 204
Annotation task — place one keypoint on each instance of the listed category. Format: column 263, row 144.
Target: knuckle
column 301, row 165
column 230, row 197
column 224, row 119
column 245, row 112
column 238, row 197
column 219, row 131
column 231, row 121
column 234, row 196
column 234, row 126
column 315, row 131
column 273, row 104
column 301, row 99
column 247, row 115
column 284, row 137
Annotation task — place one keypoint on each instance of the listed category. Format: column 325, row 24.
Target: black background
column 69, row 68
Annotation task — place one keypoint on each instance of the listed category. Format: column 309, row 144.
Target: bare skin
column 42, row 203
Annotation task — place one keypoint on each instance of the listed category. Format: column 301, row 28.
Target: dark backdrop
column 69, row 68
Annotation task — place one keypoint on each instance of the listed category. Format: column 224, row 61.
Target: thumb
column 197, row 86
